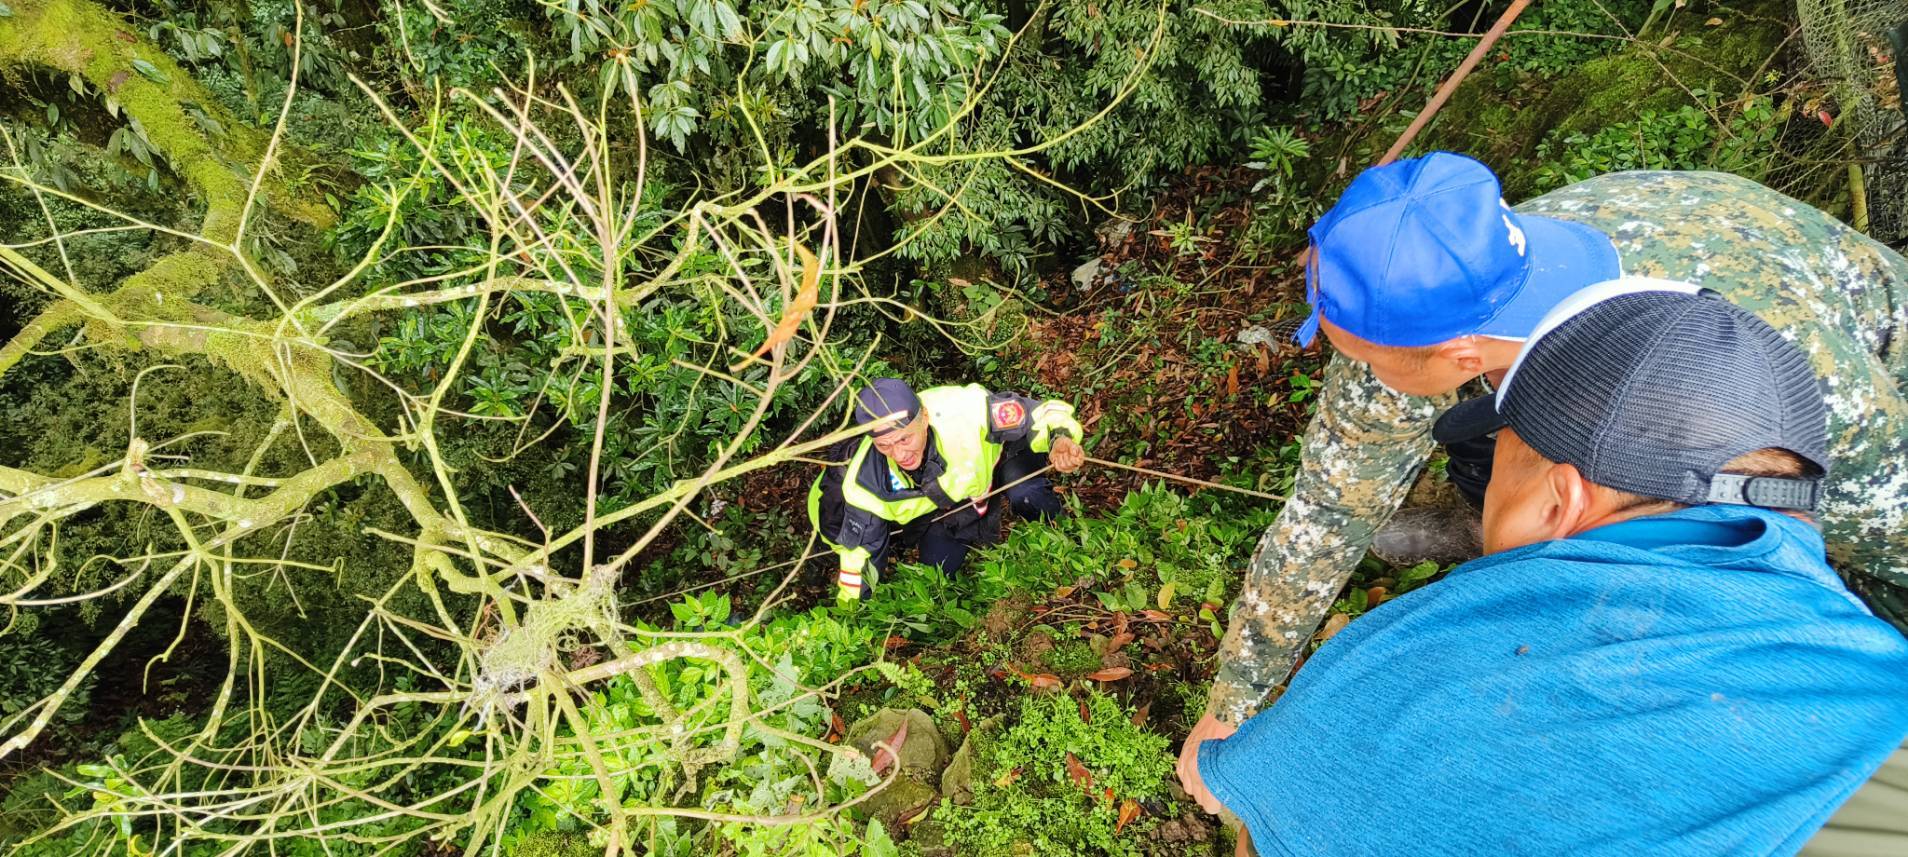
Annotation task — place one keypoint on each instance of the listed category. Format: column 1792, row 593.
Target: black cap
column 884, row 397
column 1652, row 392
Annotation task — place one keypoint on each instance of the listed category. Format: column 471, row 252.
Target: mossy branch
column 84, row 39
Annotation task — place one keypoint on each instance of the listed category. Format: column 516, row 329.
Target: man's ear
column 1463, row 352
column 1568, row 500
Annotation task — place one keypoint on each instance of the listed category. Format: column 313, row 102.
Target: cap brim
column 1564, row 257
column 1470, row 420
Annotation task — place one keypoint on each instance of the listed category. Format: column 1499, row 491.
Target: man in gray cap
column 1654, row 658
column 928, row 466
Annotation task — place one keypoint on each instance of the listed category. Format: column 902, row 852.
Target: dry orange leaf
column 1043, row 681
column 797, row 309
column 1334, row 625
column 1109, row 674
column 1232, row 380
column 1078, row 773
column 1007, row 778
column 1085, row 715
column 1129, row 810
column 1139, row 715
column 1119, row 641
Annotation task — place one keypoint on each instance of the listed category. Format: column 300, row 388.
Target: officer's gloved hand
column 1066, row 455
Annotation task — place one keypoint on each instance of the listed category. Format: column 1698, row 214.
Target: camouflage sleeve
column 1361, row 454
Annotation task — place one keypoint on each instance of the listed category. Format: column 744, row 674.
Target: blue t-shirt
column 1693, row 683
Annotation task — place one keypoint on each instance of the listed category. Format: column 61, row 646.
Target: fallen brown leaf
column 1334, row 625
column 1109, row 674
column 920, row 812
column 1043, row 681
column 1119, row 641
column 1079, row 774
column 1085, row 715
column 1139, row 715
column 1129, row 810
column 885, row 756
column 1007, row 778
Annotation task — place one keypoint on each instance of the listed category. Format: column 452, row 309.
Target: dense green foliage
column 1028, row 791
column 957, row 155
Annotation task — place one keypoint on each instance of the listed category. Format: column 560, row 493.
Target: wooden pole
column 1443, row 94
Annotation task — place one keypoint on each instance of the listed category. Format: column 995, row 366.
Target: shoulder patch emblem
column 1009, row 414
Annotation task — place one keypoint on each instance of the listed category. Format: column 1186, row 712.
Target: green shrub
column 35, row 666
column 1688, row 138
column 1029, row 794
column 790, row 652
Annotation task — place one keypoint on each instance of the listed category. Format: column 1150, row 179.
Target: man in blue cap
column 928, row 466
column 1655, row 657
column 1424, row 279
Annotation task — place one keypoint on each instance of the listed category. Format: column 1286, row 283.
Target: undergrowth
column 1056, row 780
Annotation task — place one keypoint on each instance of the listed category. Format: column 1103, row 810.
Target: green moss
column 1502, row 119
column 557, row 845
column 1072, row 659
column 85, row 39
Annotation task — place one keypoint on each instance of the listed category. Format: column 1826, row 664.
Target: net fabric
column 1639, row 420
column 1849, row 49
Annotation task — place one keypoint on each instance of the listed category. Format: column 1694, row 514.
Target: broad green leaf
column 150, row 72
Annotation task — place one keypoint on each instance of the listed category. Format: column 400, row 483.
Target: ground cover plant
column 406, row 407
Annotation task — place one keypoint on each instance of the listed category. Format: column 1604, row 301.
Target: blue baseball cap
column 1425, row 250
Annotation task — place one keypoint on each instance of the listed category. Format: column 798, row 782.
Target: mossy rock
column 957, row 782
column 1501, row 121
column 923, row 755
column 902, row 801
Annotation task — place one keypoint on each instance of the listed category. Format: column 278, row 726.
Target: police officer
column 928, row 467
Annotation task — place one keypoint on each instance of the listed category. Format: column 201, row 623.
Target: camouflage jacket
column 1840, row 295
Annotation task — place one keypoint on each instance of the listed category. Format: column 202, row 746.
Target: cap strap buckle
column 1768, row 492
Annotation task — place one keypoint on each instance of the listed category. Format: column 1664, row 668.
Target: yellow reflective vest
column 855, row 504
